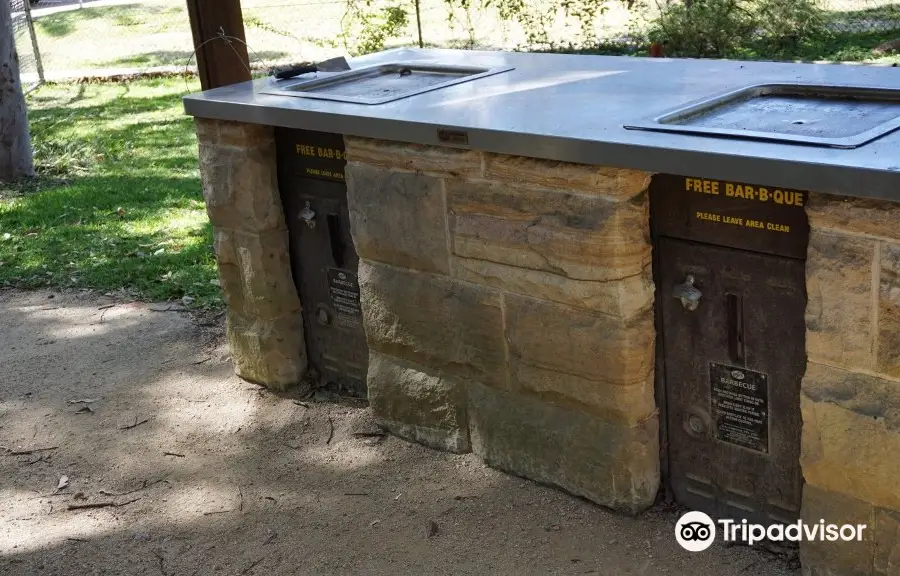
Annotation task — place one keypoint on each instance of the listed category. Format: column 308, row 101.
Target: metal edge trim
column 822, row 176
column 846, row 142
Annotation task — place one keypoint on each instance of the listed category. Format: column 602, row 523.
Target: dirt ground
column 194, row 471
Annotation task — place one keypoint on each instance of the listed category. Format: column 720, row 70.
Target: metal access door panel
column 323, row 259
column 733, row 366
column 325, row 264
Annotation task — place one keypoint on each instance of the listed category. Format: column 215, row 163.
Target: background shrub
column 735, row 28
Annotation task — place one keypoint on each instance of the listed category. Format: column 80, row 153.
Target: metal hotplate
column 822, row 115
column 383, row 83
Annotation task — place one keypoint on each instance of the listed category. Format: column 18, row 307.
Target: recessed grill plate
column 819, row 115
column 383, row 83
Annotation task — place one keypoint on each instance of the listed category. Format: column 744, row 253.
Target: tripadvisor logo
column 695, row 532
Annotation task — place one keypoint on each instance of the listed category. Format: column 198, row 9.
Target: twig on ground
column 76, row 539
column 143, row 486
column 53, row 494
column 356, row 493
column 217, row 512
column 299, row 403
column 207, row 359
column 104, row 308
column 100, row 505
column 175, row 454
column 330, row 430
column 30, row 451
column 252, row 566
column 368, row 434
column 162, row 562
column 135, row 425
column 241, row 495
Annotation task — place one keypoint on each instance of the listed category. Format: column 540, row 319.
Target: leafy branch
column 367, row 28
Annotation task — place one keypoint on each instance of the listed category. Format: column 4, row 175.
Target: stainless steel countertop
column 573, row 108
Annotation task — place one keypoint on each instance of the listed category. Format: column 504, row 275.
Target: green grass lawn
column 118, row 200
column 157, row 32
column 118, row 203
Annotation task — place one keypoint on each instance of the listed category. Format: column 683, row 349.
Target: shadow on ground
column 198, row 472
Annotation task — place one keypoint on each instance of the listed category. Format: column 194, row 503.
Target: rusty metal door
column 734, row 353
column 323, row 259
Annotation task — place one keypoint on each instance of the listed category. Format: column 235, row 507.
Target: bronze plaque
column 754, row 217
column 453, row 136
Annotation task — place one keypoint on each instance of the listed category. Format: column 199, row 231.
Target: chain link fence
column 106, row 37
column 30, row 69
column 855, row 30
column 308, row 30
column 864, row 16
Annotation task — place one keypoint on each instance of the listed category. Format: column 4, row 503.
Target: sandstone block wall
column 240, row 186
column 850, row 396
column 508, row 310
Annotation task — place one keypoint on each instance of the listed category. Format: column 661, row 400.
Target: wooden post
column 219, row 41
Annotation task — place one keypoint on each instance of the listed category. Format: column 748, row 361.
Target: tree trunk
column 15, row 143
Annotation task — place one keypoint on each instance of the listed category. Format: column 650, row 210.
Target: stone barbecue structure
column 514, row 305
